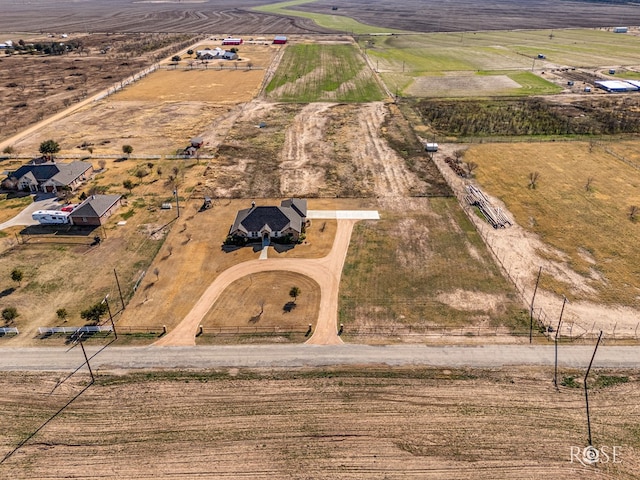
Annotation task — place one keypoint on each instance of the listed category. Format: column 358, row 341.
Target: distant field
column 329, row 20
column 408, row 63
column 317, row 72
column 590, row 228
column 220, row 86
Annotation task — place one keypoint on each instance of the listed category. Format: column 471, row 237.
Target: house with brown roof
column 95, row 210
column 283, row 224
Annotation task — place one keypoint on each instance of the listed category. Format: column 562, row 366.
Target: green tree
column 128, row 184
column 176, row 58
column 189, row 52
column 9, row 314
column 294, row 293
column 49, row 148
column 16, row 275
column 94, row 312
column 127, row 150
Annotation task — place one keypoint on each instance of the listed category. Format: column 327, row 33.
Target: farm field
column 319, row 72
column 475, row 63
column 323, row 423
column 329, row 21
column 587, row 229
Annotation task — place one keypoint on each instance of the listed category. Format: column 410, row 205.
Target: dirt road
column 325, row 271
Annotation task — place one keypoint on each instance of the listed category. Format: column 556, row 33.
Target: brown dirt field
column 324, row 424
column 36, row 86
column 150, row 16
column 150, row 128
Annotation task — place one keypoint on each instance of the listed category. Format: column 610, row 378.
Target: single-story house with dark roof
column 271, row 222
column 51, row 176
column 95, row 210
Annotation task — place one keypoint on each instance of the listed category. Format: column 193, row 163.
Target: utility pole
column 555, row 373
column 586, row 391
column 119, row 289
column 531, row 309
column 175, row 192
column 113, row 325
column 86, row 359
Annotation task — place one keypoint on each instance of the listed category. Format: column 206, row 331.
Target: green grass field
column 589, row 228
column 335, row 22
column 402, row 59
column 314, row 72
column 420, row 270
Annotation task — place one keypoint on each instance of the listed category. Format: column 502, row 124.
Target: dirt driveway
column 325, row 271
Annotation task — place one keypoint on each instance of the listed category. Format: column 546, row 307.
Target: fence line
column 239, row 330
column 74, row 330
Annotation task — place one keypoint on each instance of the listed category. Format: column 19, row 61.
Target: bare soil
column 36, row 86
column 321, row 424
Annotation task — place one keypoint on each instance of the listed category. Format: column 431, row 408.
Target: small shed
column 620, row 29
column 431, row 147
column 280, row 40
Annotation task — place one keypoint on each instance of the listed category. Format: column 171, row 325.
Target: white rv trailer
column 50, row 217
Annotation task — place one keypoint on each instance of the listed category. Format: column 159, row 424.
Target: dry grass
column 220, row 86
column 423, row 269
column 197, row 258
column 590, row 228
column 334, row 423
column 262, row 301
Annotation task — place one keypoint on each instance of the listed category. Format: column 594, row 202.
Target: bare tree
column 633, row 212
column 588, row 184
column 156, row 272
column 170, row 249
column 471, row 166
column 533, row 180
column 102, row 163
column 458, row 154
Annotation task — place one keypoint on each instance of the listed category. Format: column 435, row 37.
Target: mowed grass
column 334, row 22
column 419, row 270
column 315, row 72
column 402, row 58
column 590, row 228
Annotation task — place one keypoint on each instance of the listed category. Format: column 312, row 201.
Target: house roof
column 71, row 171
column 63, row 173
column 272, row 218
column 95, row 206
column 298, row 204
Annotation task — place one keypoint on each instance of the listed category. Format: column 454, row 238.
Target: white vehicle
column 50, row 217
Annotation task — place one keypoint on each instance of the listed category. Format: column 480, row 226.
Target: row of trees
column 49, row 148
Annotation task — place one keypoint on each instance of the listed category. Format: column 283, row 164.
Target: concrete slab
column 343, row 214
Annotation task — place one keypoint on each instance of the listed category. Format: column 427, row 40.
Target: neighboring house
column 51, row 177
column 230, row 55
column 210, row 54
column 95, row 210
column 265, row 223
